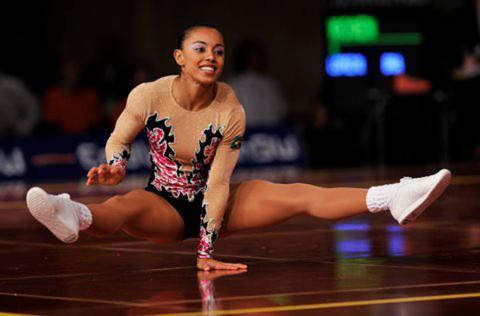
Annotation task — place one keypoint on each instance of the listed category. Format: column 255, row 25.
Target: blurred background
column 326, row 84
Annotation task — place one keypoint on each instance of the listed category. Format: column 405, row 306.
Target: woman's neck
column 192, row 95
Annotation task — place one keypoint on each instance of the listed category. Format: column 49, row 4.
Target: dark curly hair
column 186, row 31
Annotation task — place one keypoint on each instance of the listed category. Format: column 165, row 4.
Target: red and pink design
column 168, row 174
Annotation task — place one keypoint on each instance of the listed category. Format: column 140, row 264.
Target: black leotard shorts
column 188, row 210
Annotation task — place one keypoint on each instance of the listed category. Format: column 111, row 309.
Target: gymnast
column 195, row 127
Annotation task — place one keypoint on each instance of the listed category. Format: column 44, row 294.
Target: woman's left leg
column 259, row 203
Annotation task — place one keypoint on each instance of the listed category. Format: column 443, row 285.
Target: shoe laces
column 405, row 179
column 64, row 196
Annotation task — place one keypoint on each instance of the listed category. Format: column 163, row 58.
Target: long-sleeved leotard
column 193, row 153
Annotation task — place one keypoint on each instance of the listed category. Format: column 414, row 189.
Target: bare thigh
column 259, row 203
column 141, row 214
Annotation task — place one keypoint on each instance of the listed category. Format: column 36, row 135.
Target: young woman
column 195, row 126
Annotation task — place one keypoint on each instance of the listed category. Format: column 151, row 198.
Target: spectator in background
column 258, row 93
column 110, row 75
column 69, row 107
column 19, row 110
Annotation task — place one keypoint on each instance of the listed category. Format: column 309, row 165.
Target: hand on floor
column 105, row 175
column 215, row 274
column 212, row 264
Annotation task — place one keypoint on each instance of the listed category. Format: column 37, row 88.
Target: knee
column 298, row 194
column 130, row 198
column 116, row 199
column 306, row 196
column 291, row 197
column 134, row 194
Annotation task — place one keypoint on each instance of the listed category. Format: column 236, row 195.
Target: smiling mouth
column 209, row 69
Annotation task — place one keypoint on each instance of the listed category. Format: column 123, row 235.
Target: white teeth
column 207, row 68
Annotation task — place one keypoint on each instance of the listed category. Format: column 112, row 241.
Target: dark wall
column 39, row 33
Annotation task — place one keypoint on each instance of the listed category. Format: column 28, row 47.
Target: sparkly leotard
column 193, row 153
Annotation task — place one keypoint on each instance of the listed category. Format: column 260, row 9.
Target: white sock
column 379, row 197
column 84, row 216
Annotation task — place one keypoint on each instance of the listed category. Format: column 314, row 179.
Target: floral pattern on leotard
column 208, row 146
column 168, row 174
column 121, row 159
column 209, row 230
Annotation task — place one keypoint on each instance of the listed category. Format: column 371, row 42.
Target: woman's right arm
column 118, row 147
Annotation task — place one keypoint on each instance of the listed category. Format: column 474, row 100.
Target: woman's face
column 202, row 56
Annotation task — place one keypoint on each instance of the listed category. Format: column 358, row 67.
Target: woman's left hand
column 212, row 264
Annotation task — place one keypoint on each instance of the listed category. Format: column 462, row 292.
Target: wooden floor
column 363, row 266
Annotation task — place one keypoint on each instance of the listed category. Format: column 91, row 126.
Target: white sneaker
column 414, row 195
column 57, row 212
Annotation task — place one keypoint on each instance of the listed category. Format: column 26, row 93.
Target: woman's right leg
column 139, row 213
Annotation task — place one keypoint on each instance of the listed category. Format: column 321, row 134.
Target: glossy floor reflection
column 367, row 265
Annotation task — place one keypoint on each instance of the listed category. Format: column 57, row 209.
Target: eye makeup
column 196, row 46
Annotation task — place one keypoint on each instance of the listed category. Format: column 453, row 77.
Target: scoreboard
column 358, row 32
column 370, row 42
column 378, row 77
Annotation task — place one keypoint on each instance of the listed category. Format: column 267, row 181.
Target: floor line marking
column 307, row 293
column 48, row 276
column 191, row 253
column 311, row 259
column 330, row 305
column 66, row 275
column 405, row 267
column 74, row 299
column 147, row 304
column 308, row 260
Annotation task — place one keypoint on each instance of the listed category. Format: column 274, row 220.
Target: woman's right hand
column 210, row 264
column 105, row 175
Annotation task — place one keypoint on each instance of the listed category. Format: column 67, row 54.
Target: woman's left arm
column 218, row 184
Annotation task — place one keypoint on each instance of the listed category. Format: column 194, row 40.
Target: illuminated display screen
column 352, row 29
column 350, row 38
column 346, row 65
column 392, row 64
